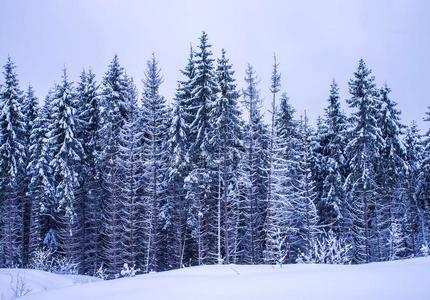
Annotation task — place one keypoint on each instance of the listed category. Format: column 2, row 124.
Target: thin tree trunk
column 226, row 210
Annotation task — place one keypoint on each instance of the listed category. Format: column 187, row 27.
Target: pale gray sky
column 315, row 41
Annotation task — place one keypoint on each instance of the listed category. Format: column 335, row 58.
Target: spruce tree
column 363, row 152
column 391, row 170
column 185, row 88
column 178, row 145
column 159, row 227
column 204, row 92
column 253, row 187
column 332, row 209
column 413, row 160
column 29, row 110
column 227, row 144
column 114, row 113
column 201, row 183
column 67, row 153
column 12, row 166
column 48, row 204
column 131, row 190
column 40, row 189
column 274, row 89
column 286, row 126
column 423, row 188
column 280, row 210
column 90, row 183
column 303, row 223
column 318, row 141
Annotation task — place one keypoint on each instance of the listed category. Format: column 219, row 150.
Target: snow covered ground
column 22, row 281
column 405, row 279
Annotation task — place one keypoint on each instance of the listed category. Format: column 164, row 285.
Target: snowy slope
column 34, row 281
column 406, row 279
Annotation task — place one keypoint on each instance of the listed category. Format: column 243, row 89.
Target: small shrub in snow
column 396, row 241
column 101, row 273
column 42, row 260
column 46, row 260
column 64, row 265
column 18, row 285
column 327, row 250
column 127, row 271
column 425, row 250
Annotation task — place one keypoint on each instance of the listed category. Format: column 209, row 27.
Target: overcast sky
column 315, row 41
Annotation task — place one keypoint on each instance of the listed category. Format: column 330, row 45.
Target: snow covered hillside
column 404, row 279
column 19, row 282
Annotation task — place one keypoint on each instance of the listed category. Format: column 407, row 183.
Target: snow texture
column 402, row 279
column 35, row 282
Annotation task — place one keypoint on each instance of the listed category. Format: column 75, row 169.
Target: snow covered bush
column 42, row 260
column 127, row 271
column 327, row 250
column 396, row 241
column 46, row 260
column 101, row 273
column 425, row 250
column 63, row 265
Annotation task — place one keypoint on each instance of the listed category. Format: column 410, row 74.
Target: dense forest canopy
column 99, row 176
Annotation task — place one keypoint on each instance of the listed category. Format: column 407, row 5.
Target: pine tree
column 178, row 145
column 204, row 91
column 185, row 89
column 201, row 183
column 280, row 210
column 90, row 185
column 227, row 144
column 131, row 188
column 396, row 241
column 413, row 160
column 423, row 187
column 303, row 223
column 12, row 166
column 286, row 126
column 391, row 171
column 363, row 152
column 332, row 166
column 318, row 141
column 114, row 113
column 29, row 110
column 159, row 228
column 253, row 187
column 48, row 204
column 40, row 189
column 67, row 153
column 274, row 89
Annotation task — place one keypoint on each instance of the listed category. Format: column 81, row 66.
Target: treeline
column 101, row 176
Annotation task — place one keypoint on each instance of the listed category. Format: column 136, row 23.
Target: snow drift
column 19, row 282
column 404, row 279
